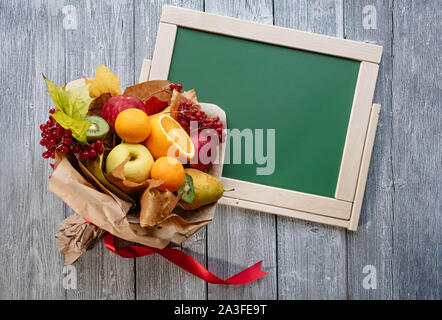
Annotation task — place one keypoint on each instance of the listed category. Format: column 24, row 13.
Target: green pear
column 207, row 189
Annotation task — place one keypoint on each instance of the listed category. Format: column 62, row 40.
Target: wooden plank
column 271, row 34
column 283, row 212
column 157, row 278
column 162, row 55
column 417, row 152
column 30, row 214
column 372, row 244
column 282, row 198
column 102, row 274
column 238, row 238
column 145, row 70
column 365, row 165
column 357, row 130
column 311, row 257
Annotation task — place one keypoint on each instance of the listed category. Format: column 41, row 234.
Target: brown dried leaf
column 145, row 90
column 117, row 177
column 97, row 105
column 156, row 205
column 177, row 97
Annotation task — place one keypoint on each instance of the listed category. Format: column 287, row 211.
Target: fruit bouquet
column 143, row 165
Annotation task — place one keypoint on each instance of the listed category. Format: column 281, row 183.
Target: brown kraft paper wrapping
column 110, row 213
column 75, row 236
column 107, row 213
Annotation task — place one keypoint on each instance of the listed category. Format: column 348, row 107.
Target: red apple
column 206, row 151
column 116, row 104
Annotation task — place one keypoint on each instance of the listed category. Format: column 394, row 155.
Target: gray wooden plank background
column 400, row 232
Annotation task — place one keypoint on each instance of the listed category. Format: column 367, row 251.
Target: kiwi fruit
column 98, row 129
column 189, row 192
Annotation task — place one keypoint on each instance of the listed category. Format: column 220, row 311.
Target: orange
column 171, row 171
column 133, row 125
column 168, row 138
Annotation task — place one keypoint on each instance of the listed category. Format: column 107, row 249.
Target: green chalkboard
column 306, row 97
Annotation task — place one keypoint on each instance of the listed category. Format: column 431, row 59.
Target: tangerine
column 171, row 171
column 133, row 125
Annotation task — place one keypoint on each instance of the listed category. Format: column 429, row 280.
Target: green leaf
column 189, row 192
column 74, row 103
column 72, row 107
column 78, row 127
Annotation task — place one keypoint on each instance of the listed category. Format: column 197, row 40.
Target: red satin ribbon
column 185, row 262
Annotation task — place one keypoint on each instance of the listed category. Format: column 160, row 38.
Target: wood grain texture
column 31, row 42
column 417, row 152
column 365, row 166
column 400, row 231
column 162, row 55
column 357, row 131
column 372, row 243
column 104, row 35
column 238, row 238
column 157, row 278
column 289, row 199
column 311, row 257
column 297, row 39
column 284, row 212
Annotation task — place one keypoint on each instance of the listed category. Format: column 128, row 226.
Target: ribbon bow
column 185, row 262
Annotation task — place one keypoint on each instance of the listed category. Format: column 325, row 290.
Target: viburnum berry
column 84, row 154
column 67, row 141
column 64, row 149
column 55, row 137
column 92, row 153
column 59, row 133
column 76, row 149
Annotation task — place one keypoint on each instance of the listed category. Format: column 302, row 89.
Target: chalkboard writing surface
column 306, row 97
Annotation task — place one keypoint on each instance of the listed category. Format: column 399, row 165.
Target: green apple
column 137, row 169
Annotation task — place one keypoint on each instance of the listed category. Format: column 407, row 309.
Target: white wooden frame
column 344, row 210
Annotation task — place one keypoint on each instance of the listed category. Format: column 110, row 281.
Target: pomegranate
column 206, row 149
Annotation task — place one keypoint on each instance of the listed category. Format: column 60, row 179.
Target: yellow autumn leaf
column 103, row 82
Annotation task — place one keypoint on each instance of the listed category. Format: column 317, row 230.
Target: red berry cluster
column 178, row 86
column 89, row 151
column 186, row 114
column 54, row 137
